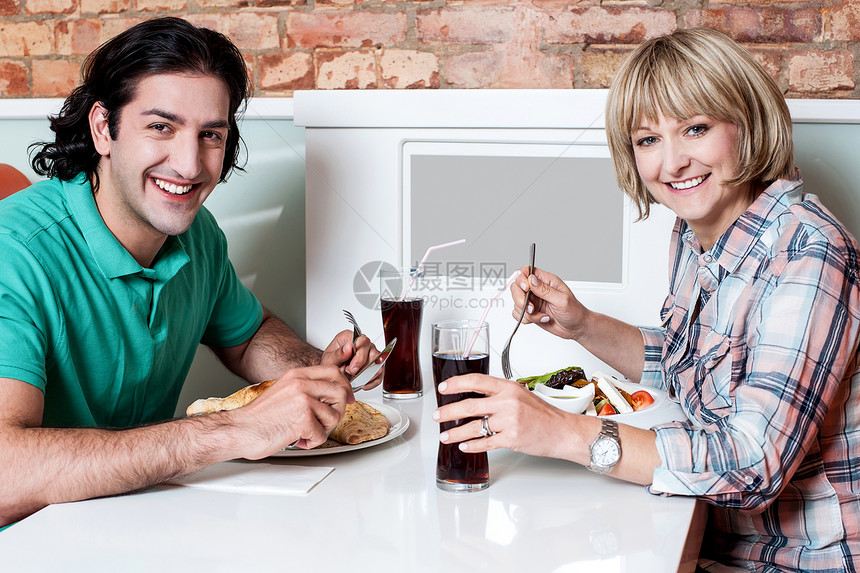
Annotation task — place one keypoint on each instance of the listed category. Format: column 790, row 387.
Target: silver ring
column 485, row 427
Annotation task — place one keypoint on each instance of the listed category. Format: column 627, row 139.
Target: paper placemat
column 262, row 478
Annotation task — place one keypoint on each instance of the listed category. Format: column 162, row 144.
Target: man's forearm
column 47, row 465
column 272, row 350
column 276, row 343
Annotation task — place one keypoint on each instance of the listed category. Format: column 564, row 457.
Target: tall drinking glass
column 401, row 318
column 456, row 470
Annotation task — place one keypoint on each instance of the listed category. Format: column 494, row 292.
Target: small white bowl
column 570, row 399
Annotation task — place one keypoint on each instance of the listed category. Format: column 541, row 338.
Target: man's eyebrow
column 170, row 116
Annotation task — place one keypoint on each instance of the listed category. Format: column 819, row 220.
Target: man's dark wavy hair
column 111, row 75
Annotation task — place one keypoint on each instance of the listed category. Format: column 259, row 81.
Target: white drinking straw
column 474, row 338
column 421, row 264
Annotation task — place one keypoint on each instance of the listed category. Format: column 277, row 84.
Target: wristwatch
column 606, row 448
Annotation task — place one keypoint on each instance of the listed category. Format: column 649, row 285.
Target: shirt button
column 749, row 480
column 708, row 259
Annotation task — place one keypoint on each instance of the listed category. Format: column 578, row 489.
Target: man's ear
column 99, row 129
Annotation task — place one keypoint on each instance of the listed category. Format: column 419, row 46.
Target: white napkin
column 244, row 477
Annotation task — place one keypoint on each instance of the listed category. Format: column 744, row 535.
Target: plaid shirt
column 759, row 345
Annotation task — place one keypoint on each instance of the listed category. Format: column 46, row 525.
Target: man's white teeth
column 688, row 183
column 172, row 188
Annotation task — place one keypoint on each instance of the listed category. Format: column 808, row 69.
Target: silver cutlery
column 356, row 331
column 506, row 352
column 367, row 373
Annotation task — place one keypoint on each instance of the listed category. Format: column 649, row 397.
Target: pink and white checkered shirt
column 759, row 345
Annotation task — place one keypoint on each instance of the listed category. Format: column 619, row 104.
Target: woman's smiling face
column 684, row 163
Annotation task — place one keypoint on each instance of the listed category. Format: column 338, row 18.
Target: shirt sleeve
column 236, row 314
column 652, row 373
column 801, row 338
column 26, row 299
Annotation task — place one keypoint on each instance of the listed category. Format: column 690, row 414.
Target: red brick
column 14, row 79
column 51, row 6
column 753, row 24
column 286, row 71
column 114, row 26
column 345, row 29
column 279, row 3
column 78, row 37
column 26, row 38
column 467, row 25
column 225, row 3
column 105, row 6
column 507, row 67
column 842, row 24
column 345, row 70
column 54, row 78
column 10, row 7
column 769, row 57
column 248, row 30
column 409, row 69
column 161, row 5
column 816, row 71
column 612, row 25
column 474, row 69
column 599, row 66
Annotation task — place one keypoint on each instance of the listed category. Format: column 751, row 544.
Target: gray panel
column 829, row 159
column 570, row 207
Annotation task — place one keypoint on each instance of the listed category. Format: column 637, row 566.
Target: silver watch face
column 605, row 452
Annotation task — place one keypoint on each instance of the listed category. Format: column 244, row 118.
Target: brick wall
column 811, row 48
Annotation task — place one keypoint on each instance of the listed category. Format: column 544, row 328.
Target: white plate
column 663, row 410
column 398, row 420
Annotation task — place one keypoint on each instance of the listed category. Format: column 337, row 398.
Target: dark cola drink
column 457, row 470
column 402, row 319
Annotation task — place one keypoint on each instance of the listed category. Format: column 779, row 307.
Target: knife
column 367, row 373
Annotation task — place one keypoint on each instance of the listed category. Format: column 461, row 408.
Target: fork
column 506, row 351
column 356, row 331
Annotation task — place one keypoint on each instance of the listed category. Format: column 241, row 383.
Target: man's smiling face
column 165, row 161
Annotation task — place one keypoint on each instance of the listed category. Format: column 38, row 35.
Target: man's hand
column 351, row 358
column 304, row 405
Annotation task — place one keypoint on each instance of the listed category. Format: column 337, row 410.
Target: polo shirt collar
column 111, row 257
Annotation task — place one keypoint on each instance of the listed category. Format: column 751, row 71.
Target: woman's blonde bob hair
column 699, row 72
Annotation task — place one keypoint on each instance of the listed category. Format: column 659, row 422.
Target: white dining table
column 379, row 510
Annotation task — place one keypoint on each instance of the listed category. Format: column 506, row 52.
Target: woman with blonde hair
column 760, row 328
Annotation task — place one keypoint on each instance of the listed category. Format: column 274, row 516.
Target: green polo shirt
column 108, row 341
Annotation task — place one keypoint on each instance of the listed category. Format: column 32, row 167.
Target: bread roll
column 360, row 423
column 231, row 402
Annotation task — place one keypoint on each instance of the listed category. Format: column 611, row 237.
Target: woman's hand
column 552, row 304
column 519, row 420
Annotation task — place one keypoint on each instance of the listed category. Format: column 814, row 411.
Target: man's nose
column 185, row 156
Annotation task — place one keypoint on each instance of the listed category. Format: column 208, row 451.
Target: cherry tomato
column 641, row 399
column 607, row 410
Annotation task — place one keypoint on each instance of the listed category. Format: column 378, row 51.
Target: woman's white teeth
column 173, row 188
column 688, row 183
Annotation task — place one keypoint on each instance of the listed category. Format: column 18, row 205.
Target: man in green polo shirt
column 112, row 273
